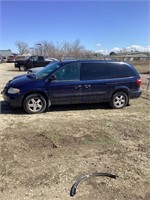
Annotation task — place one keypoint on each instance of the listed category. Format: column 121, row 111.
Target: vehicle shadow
column 6, row 109
column 93, row 106
column 147, row 72
column 13, row 70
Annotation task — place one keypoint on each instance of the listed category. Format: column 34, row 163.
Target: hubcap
column 22, row 68
column 35, row 105
column 119, row 101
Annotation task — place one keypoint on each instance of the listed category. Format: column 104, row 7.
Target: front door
column 66, row 88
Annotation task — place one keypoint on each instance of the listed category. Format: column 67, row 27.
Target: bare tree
column 67, row 49
column 77, row 48
column 74, row 49
column 57, row 50
column 23, row 47
column 48, row 49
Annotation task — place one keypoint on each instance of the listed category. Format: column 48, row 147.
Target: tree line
column 57, row 50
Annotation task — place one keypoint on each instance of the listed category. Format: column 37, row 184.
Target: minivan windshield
column 47, row 70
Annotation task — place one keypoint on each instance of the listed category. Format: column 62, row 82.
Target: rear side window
column 119, row 70
column 94, row 71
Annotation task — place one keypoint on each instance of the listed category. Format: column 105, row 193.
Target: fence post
column 148, row 81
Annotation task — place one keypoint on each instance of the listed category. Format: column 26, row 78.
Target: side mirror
column 52, row 78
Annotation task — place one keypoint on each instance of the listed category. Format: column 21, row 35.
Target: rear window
column 41, row 58
column 117, row 70
column 94, row 71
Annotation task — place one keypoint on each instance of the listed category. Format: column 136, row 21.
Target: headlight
column 13, row 91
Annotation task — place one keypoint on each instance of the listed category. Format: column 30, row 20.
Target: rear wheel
column 119, row 100
column 22, row 68
column 34, row 103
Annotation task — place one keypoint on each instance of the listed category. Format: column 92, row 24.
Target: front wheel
column 119, row 100
column 34, row 103
column 22, row 68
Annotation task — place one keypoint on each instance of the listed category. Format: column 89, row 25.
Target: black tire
column 119, row 100
column 22, row 68
column 34, row 103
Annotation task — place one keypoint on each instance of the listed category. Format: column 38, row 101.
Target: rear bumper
column 135, row 94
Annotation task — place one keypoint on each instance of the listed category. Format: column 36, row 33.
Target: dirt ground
column 42, row 155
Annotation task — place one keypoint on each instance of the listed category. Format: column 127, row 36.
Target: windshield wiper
column 84, row 177
column 31, row 76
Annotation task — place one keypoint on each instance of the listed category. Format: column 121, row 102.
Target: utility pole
column 40, row 48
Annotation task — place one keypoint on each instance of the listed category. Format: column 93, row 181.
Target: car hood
column 19, row 81
column 19, row 76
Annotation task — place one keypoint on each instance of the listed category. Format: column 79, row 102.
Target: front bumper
column 13, row 100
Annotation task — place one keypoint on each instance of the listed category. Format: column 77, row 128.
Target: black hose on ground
column 82, row 178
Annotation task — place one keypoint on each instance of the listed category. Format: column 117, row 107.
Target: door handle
column 78, row 87
column 87, row 86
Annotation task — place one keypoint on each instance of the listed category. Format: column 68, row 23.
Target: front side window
column 68, row 72
column 33, row 58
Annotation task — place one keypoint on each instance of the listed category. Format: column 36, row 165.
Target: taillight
column 138, row 82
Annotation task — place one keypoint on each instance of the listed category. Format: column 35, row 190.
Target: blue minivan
column 74, row 82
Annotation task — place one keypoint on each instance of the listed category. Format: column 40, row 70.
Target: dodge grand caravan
column 73, row 82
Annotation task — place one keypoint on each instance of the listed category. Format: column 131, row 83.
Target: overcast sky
column 100, row 25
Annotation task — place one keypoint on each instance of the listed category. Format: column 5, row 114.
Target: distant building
column 132, row 57
column 5, row 53
column 135, row 57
